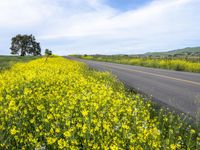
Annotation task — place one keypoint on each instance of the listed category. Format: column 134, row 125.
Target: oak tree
column 25, row 45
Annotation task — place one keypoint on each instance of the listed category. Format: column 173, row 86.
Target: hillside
column 190, row 51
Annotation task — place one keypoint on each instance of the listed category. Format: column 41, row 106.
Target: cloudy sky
column 102, row 26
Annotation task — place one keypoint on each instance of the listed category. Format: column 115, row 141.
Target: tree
column 25, row 44
column 48, row 52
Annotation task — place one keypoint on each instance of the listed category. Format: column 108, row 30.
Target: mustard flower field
column 57, row 103
column 167, row 63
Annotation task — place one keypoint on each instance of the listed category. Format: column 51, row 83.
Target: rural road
column 179, row 90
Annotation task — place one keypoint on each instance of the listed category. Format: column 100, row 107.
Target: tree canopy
column 25, row 45
column 48, row 52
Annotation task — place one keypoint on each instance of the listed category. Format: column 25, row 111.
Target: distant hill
column 189, row 51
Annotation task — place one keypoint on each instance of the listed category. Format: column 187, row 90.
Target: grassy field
column 165, row 63
column 62, row 104
column 7, row 61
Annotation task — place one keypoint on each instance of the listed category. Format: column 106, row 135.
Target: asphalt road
column 179, row 90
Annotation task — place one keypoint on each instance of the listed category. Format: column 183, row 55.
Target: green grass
column 7, row 61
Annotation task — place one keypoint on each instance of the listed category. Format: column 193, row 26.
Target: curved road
column 179, row 90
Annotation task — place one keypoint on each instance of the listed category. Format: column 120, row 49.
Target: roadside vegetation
column 172, row 63
column 57, row 103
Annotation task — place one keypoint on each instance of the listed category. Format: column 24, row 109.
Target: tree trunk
column 23, row 52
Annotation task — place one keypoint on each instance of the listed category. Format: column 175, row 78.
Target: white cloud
column 23, row 13
column 91, row 26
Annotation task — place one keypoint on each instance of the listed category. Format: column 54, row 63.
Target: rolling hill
column 190, row 51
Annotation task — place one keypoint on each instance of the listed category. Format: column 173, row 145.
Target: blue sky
column 125, row 5
column 102, row 26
